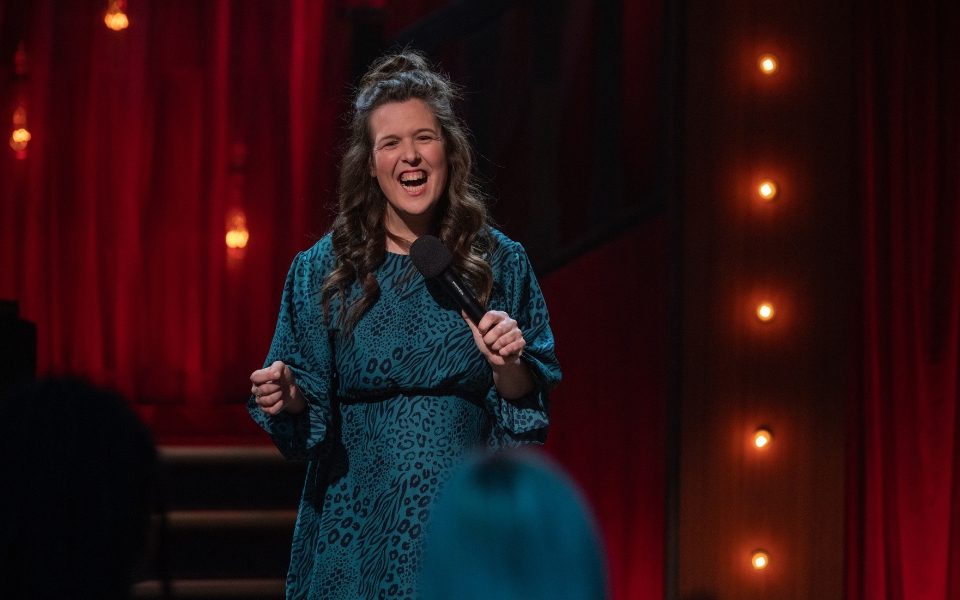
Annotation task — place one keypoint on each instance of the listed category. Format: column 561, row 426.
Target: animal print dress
column 392, row 409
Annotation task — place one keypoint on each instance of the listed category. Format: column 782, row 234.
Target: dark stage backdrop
column 147, row 142
column 903, row 509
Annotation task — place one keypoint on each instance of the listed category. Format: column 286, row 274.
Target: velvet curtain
column 146, row 145
column 608, row 416
column 904, row 470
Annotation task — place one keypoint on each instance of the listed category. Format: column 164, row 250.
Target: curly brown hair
column 358, row 232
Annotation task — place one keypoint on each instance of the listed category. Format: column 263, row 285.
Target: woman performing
column 374, row 374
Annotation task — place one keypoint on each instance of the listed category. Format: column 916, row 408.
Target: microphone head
column 430, row 256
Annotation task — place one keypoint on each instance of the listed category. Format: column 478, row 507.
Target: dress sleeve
column 301, row 342
column 525, row 420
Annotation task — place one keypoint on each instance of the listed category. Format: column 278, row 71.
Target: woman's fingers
column 498, row 336
column 272, row 404
column 513, row 348
column 270, row 373
column 507, row 338
column 273, row 387
column 504, row 328
column 265, row 389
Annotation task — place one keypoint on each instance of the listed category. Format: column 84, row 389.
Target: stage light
column 115, row 18
column 19, row 139
column 767, row 189
column 760, row 560
column 762, row 438
column 765, row 311
column 20, row 136
column 768, row 64
column 238, row 235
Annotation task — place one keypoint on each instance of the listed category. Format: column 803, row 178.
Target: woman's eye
column 426, row 138
column 388, row 144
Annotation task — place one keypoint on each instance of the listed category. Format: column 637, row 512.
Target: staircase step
column 180, row 520
column 233, row 477
column 205, row 544
column 230, row 513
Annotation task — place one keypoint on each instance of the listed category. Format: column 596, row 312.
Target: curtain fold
column 903, row 538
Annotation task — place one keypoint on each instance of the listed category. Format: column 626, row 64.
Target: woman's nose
column 409, row 152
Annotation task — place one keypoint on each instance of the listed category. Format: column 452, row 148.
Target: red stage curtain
column 144, row 142
column 904, row 469
column 608, row 417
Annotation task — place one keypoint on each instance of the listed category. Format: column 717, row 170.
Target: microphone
column 433, row 260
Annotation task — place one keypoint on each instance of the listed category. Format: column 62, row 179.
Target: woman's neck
column 399, row 244
column 401, row 232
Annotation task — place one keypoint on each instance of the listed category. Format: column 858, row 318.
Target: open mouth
column 413, row 180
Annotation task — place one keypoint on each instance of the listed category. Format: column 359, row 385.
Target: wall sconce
column 760, row 560
column 765, row 311
column 768, row 64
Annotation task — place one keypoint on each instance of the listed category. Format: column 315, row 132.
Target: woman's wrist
column 297, row 403
column 512, row 379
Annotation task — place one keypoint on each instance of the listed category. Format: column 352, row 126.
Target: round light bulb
column 767, row 189
column 760, row 560
column 237, row 235
column 237, row 238
column 115, row 18
column 19, row 139
column 768, row 64
column 765, row 311
column 762, row 438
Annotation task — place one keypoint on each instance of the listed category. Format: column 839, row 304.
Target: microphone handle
column 462, row 295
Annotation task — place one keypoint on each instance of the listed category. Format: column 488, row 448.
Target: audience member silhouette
column 80, row 475
column 512, row 526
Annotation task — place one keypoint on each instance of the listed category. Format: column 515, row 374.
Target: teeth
column 413, row 176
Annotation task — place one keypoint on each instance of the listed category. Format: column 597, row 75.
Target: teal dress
column 392, row 409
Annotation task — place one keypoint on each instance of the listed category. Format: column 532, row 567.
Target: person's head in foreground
column 81, row 480
column 512, row 526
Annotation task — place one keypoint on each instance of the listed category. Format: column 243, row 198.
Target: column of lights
column 767, row 190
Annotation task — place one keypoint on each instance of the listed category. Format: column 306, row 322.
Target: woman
column 373, row 375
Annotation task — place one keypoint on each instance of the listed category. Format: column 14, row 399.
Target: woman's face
column 409, row 163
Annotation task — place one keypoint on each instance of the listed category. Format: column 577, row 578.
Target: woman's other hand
column 275, row 388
